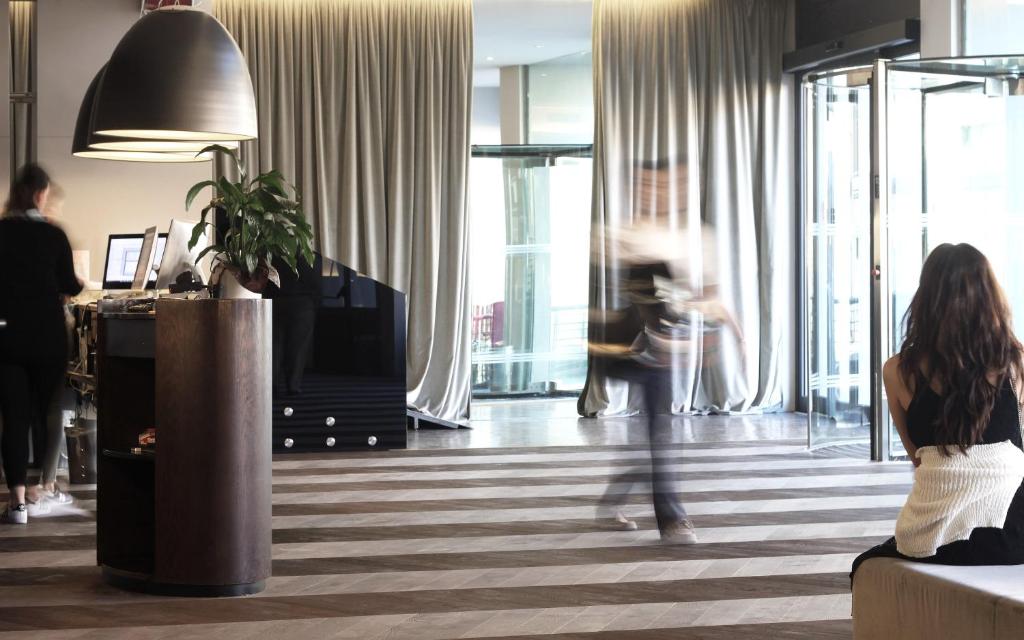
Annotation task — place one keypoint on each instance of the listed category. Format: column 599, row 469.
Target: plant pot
column 232, row 288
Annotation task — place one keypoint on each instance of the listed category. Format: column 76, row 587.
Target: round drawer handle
column 288, row 411
column 372, row 441
column 288, row 442
column 329, row 421
column 330, row 442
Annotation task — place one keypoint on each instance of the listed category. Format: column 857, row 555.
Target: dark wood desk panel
column 213, row 474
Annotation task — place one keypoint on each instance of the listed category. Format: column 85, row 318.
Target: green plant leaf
column 197, row 232
column 273, row 275
column 221, row 149
column 196, row 189
column 231, row 191
column 273, row 181
column 215, row 248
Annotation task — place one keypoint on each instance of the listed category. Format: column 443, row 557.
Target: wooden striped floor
column 495, row 543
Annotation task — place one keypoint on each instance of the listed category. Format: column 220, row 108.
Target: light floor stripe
column 492, row 578
column 548, row 491
column 524, row 542
column 491, row 474
column 496, row 623
column 590, row 540
column 40, row 527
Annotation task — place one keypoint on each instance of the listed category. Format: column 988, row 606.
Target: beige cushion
column 905, row 600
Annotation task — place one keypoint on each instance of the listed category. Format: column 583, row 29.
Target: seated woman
column 953, row 393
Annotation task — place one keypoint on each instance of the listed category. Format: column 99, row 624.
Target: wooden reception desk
column 192, row 517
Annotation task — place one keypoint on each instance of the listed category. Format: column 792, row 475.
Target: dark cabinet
column 339, row 361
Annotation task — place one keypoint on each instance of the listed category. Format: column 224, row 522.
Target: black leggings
column 25, row 392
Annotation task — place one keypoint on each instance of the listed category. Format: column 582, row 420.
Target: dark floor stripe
column 819, row 630
column 556, row 557
column 462, row 530
column 637, row 474
column 538, row 502
column 413, row 602
column 433, row 453
column 65, row 577
column 472, row 504
column 353, row 534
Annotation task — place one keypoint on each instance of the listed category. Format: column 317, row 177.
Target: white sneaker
column 681, row 532
column 624, row 523
column 55, row 497
column 14, row 514
column 40, row 508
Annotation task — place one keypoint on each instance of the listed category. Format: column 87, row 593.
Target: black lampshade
column 85, row 145
column 176, row 75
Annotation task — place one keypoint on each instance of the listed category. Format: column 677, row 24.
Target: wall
column 486, row 124
column 561, row 101
column 76, row 37
column 5, row 104
column 940, row 28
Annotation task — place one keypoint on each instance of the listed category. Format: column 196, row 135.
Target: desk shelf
column 192, row 516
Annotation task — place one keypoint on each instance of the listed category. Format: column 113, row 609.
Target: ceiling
column 514, row 32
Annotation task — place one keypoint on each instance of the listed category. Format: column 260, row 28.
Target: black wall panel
column 822, row 20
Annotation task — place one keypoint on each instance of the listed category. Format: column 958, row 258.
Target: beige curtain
column 693, row 169
column 365, row 106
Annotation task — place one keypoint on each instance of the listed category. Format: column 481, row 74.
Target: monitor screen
column 123, row 251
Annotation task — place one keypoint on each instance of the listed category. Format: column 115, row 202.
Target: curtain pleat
column 696, row 88
column 365, row 105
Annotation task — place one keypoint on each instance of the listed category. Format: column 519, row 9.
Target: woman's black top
column 926, row 407
column 36, row 269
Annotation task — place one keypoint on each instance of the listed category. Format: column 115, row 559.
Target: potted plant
column 263, row 223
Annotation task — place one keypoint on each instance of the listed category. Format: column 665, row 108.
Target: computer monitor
column 146, row 258
column 123, row 251
column 178, row 258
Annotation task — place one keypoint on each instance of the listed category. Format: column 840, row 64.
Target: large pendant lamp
column 85, row 144
column 88, row 145
column 177, row 75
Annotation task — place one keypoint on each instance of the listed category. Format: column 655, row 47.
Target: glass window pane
column 530, row 236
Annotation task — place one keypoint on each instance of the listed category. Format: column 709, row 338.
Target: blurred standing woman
column 954, row 394
column 36, row 270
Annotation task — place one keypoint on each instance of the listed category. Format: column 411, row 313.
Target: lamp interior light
column 142, row 156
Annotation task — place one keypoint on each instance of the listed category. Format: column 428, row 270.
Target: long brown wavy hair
column 959, row 334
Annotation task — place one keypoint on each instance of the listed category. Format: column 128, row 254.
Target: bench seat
column 901, row 600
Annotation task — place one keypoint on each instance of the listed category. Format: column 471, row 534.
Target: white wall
column 561, row 101
column 940, row 28
column 486, row 123
column 76, row 37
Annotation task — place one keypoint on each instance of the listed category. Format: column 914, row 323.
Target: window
column 529, row 248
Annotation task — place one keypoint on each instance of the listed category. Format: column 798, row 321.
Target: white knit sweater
column 954, row 495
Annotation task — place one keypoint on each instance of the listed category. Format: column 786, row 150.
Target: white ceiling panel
column 514, row 32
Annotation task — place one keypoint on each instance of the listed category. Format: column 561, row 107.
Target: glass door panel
column 838, row 227
column 955, row 142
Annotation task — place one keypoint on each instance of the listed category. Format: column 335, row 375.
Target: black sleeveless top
column 926, row 407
